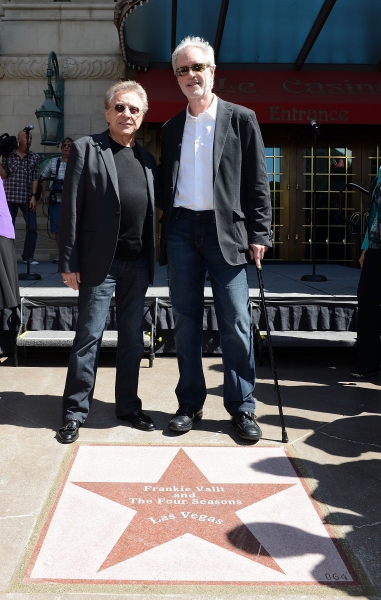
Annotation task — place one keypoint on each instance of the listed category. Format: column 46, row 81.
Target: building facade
column 84, row 38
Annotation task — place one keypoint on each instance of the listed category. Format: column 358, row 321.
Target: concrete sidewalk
column 334, row 429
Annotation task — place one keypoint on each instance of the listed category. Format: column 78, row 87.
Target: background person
column 51, row 192
column 15, row 185
column 9, row 287
column 369, row 293
column 215, row 197
column 106, row 243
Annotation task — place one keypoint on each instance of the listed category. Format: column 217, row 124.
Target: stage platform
column 281, row 281
column 300, row 313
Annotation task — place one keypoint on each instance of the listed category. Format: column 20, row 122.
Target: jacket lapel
column 224, row 114
column 148, row 174
column 108, row 159
column 176, row 143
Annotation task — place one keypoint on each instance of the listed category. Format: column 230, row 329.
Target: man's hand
column 362, row 258
column 257, row 252
column 32, row 204
column 44, row 192
column 71, row 280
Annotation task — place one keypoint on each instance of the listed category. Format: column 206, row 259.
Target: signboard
column 278, row 97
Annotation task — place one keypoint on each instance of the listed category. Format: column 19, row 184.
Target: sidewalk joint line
column 367, row 525
column 17, row 517
column 335, row 437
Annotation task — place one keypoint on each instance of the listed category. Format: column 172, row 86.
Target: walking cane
column 277, row 391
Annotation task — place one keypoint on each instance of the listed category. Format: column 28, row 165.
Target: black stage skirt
column 9, row 296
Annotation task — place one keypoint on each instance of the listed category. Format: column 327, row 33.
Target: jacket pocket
column 238, row 215
column 240, row 232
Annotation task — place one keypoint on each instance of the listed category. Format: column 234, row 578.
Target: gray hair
column 127, row 86
column 195, row 42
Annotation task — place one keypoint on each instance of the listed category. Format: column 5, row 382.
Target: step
column 321, row 339
column 65, row 338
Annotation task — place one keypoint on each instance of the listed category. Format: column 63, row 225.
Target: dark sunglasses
column 67, row 145
column 120, row 108
column 196, row 68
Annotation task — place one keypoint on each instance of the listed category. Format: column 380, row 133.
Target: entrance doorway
column 341, row 220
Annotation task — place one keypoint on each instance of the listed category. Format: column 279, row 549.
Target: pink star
column 184, row 501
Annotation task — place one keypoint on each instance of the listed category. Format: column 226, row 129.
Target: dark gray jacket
column 90, row 209
column 242, row 201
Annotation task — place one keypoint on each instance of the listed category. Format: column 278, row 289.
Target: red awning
column 280, row 97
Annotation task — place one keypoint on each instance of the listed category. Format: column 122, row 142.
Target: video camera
column 56, row 187
column 8, row 143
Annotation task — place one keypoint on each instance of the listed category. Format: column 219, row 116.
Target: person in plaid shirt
column 14, row 173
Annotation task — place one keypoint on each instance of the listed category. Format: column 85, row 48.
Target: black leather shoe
column 185, row 417
column 139, row 420
column 357, row 373
column 247, row 426
column 69, row 432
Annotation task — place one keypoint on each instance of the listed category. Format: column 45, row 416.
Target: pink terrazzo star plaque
column 141, row 515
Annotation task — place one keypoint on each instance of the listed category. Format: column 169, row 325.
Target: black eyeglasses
column 196, row 68
column 120, row 108
column 66, row 145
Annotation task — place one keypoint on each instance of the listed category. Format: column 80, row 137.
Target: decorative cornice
column 133, row 58
column 71, row 67
column 122, row 7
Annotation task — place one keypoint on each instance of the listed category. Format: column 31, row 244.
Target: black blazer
column 242, row 201
column 90, row 209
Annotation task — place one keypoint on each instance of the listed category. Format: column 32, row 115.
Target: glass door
column 334, row 238
column 275, row 162
column 341, row 217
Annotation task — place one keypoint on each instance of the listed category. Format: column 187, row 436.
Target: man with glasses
column 52, row 178
column 106, row 244
column 216, row 205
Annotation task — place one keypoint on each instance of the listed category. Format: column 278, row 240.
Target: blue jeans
column 13, row 209
column 54, row 216
column 130, row 281
column 192, row 248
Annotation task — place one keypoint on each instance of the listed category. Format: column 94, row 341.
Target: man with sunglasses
column 106, row 245
column 215, row 198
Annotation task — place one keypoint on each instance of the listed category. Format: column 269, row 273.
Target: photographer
column 15, row 174
column 51, row 194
